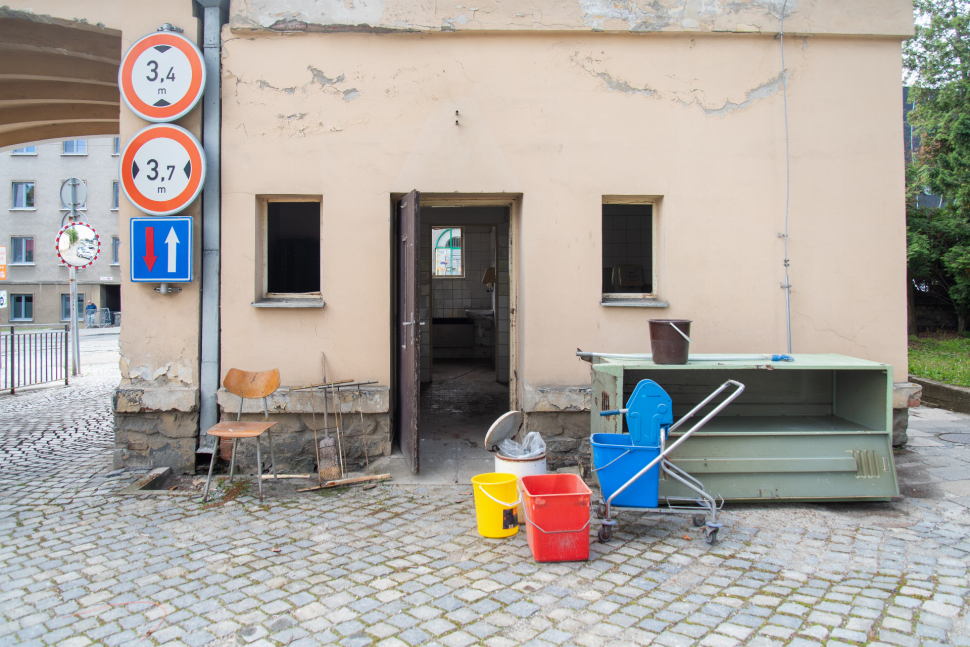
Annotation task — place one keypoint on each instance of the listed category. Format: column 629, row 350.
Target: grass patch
column 940, row 356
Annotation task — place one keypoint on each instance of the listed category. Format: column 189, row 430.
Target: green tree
column 938, row 240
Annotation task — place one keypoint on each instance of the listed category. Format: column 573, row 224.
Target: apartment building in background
column 30, row 184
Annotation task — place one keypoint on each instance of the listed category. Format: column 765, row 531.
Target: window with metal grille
column 628, row 250
column 446, row 244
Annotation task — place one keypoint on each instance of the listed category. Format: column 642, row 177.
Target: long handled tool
column 328, row 467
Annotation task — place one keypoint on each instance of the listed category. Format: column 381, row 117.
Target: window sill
column 115, row 264
column 74, row 154
column 23, row 208
column 23, row 154
column 288, row 303
column 113, row 209
column 22, row 264
column 634, row 303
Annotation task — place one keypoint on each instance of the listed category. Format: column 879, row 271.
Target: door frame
column 513, row 201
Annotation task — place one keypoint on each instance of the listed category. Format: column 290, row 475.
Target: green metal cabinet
column 818, row 428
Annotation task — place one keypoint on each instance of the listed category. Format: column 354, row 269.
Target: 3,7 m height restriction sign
column 162, row 169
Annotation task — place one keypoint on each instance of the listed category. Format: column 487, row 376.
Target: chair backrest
column 252, row 385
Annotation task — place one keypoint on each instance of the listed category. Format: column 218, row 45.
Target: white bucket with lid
column 507, row 426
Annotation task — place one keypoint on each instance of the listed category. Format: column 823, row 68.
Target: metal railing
column 36, row 355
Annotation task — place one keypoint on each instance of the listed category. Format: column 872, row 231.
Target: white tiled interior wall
column 450, row 297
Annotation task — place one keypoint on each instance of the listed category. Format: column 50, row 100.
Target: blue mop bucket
column 618, row 460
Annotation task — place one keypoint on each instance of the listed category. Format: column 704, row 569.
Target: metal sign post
column 77, row 244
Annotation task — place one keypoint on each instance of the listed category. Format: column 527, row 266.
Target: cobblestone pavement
column 48, row 429
column 404, row 565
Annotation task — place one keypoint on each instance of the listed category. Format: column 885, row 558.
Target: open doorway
column 451, row 333
column 465, row 349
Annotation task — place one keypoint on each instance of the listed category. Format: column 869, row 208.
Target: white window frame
column 64, row 151
column 26, row 151
column 655, row 238
column 115, row 250
column 13, row 301
column 13, row 250
column 461, row 235
column 116, row 146
column 115, row 195
column 66, row 302
column 13, row 195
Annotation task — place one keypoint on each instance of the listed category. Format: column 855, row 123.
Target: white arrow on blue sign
column 161, row 250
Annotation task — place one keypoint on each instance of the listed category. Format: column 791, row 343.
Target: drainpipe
column 214, row 12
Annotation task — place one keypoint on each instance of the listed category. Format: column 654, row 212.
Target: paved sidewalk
column 404, row 565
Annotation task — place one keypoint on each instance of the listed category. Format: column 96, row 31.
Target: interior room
column 465, row 340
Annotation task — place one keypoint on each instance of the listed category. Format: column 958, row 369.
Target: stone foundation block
column 566, row 434
column 293, row 441
column 163, row 439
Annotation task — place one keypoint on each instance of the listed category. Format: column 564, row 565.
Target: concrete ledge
column 906, row 395
column 150, row 399
column 945, row 396
column 375, row 399
column 556, row 398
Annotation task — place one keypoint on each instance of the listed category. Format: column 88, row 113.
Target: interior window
column 447, row 251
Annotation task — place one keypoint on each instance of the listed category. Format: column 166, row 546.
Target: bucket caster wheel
column 605, row 533
column 710, row 535
column 699, row 520
column 600, row 511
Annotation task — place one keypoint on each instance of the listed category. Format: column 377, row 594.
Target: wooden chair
column 247, row 386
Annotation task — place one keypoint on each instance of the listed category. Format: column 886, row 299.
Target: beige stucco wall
column 562, row 120
column 159, row 341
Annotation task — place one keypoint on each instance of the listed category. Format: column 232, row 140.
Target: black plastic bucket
column 668, row 345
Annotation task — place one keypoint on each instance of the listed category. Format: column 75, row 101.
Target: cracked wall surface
column 875, row 17
column 564, row 119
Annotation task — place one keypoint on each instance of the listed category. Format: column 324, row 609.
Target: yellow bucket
column 496, row 498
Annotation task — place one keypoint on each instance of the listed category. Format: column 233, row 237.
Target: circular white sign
column 78, row 189
column 162, row 76
column 162, row 169
column 77, row 245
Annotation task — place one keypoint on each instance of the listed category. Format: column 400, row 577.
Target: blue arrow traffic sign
column 161, row 250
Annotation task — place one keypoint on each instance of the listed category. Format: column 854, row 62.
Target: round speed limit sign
column 162, row 169
column 162, row 76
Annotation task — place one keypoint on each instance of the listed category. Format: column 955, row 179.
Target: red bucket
column 557, row 517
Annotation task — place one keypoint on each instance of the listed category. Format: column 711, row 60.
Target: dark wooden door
column 408, row 333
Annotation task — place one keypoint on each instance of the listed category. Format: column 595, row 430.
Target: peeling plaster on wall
column 171, row 373
column 321, row 78
column 690, row 15
column 763, row 91
column 263, row 85
column 351, row 94
column 613, row 84
column 277, row 14
column 623, row 86
column 556, row 398
column 875, row 17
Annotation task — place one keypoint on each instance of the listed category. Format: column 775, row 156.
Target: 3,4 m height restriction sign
column 162, row 76
column 162, row 169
